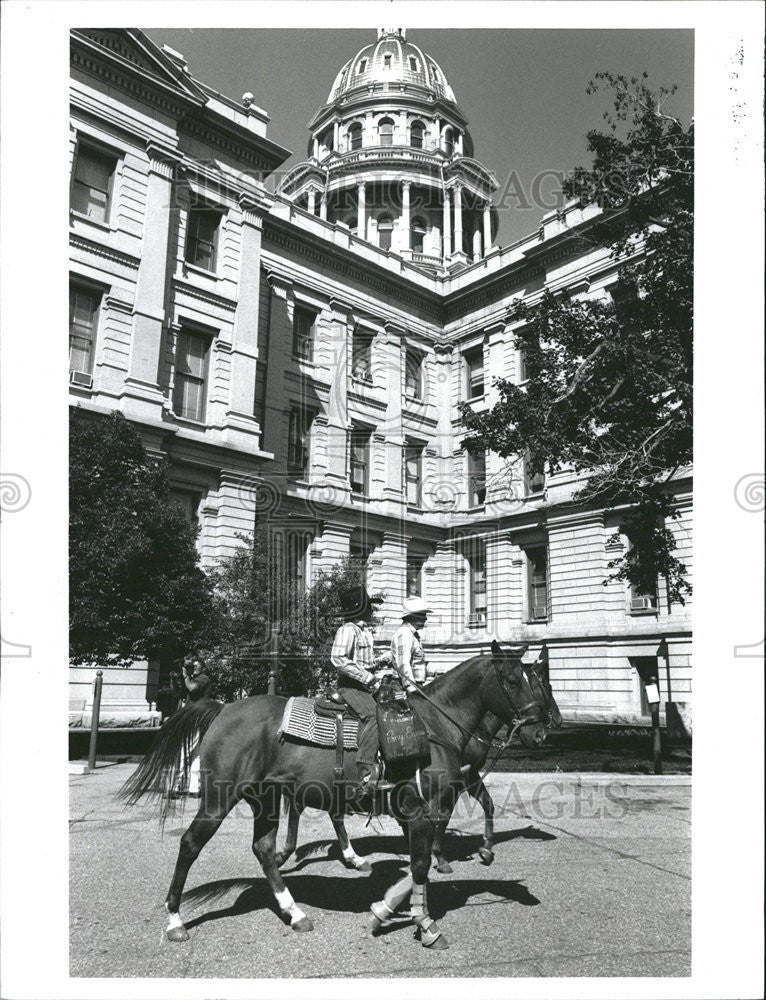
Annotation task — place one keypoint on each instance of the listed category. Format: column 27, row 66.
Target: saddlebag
column 403, row 737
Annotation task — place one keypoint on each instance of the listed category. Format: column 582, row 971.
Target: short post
column 94, row 719
column 273, row 658
column 653, row 697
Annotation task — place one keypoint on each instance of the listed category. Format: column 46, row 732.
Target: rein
column 517, row 722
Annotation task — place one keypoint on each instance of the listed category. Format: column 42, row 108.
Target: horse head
column 521, row 698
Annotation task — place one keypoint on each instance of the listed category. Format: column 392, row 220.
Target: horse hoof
column 438, row 944
column 373, row 925
column 364, row 867
column 177, row 934
column 303, row 925
column 444, row 867
column 486, row 856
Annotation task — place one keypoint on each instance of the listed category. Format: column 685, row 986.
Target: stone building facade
column 303, row 353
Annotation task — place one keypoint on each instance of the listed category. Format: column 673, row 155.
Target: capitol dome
column 392, row 60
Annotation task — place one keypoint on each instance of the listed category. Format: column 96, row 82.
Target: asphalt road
column 591, row 878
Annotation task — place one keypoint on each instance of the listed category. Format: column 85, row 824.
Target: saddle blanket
column 301, row 722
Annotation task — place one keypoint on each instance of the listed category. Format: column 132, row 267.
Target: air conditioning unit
column 539, row 611
column 82, row 379
column 643, row 604
column 477, row 618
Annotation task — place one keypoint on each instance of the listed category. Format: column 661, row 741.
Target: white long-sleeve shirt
column 408, row 654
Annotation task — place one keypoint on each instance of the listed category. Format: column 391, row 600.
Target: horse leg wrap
column 298, row 919
column 175, row 930
column 352, row 859
column 426, row 927
column 383, row 910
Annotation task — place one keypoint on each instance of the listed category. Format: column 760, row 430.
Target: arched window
column 417, row 234
column 355, row 136
column 386, row 132
column 414, row 67
column 448, row 143
column 417, row 130
column 385, row 231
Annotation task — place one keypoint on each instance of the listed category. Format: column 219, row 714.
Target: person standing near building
column 406, row 648
column 197, row 683
column 358, row 680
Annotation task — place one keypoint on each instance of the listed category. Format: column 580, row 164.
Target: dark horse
column 473, row 759
column 241, row 757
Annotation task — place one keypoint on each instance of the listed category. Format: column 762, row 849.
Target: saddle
column 329, row 703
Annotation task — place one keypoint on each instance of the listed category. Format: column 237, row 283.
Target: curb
column 581, row 778
column 81, row 767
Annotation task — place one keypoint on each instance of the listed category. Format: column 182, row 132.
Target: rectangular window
column 474, row 366
column 361, row 357
column 92, row 182
column 298, row 543
column 298, row 440
column 413, row 374
column 477, row 562
column 537, row 583
column 83, row 320
column 202, row 237
column 304, row 328
column 413, row 455
column 477, row 480
column 190, row 390
column 360, row 460
column 189, row 502
column 642, row 600
column 523, row 373
column 360, row 551
column 415, row 562
column 534, row 482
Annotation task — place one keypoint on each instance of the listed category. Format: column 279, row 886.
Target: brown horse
column 473, row 760
column 243, row 759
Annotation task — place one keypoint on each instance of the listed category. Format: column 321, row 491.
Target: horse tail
column 169, row 760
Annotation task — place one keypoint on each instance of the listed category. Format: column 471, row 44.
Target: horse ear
column 496, row 650
column 519, row 651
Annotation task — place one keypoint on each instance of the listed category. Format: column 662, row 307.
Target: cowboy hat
column 414, row 606
column 356, row 600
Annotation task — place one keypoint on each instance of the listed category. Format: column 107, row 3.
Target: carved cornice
column 213, row 299
column 79, row 242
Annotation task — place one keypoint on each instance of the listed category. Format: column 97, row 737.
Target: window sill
column 475, row 625
column 367, row 383
column 537, row 621
column 196, row 269
column 197, row 425
column 417, row 400
column 105, row 227
column 303, row 361
column 643, row 612
column 537, row 495
column 475, row 399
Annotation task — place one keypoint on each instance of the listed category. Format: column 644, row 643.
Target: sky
column 523, row 91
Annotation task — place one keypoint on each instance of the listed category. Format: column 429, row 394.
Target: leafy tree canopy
column 135, row 587
column 609, row 391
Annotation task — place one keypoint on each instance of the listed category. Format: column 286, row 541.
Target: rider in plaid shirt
column 406, row 647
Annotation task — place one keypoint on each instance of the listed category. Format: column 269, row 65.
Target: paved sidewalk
column 591, row 878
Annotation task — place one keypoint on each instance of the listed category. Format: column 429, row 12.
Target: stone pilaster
column 142, row 382
column 392, row 577
column 337, row 406
column 393, row 490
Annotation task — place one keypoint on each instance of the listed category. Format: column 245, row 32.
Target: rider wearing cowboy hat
column 354, row 659
column 406, row 647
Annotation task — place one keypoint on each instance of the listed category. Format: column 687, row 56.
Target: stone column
column 446, row 231
column 458, row 215
column 149, row 309
column 437, row 134
column 361, row 210
column 312, row 201
column 476, row 245
column 335, row 136
column 323, row 206
column 487, row 228
column 316, row 148
column 405, row 243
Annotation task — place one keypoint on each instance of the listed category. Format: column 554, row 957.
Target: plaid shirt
column 352, row 652
column 407, row 651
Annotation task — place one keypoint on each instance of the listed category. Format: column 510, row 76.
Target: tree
column 252, row 591
column 610, row 383
column 136, row 590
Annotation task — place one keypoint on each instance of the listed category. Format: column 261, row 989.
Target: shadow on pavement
column 350, row 894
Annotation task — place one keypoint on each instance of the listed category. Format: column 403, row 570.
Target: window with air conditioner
column 84, row 304
column 477, row 479
column 414, row 582
column 534, row 481
column 359, row 448
column 537, row 584
column 361, row 356
column 202, row 237
column 191, row 373
column 92, row 182
column 477, row 590
column 643, row 600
